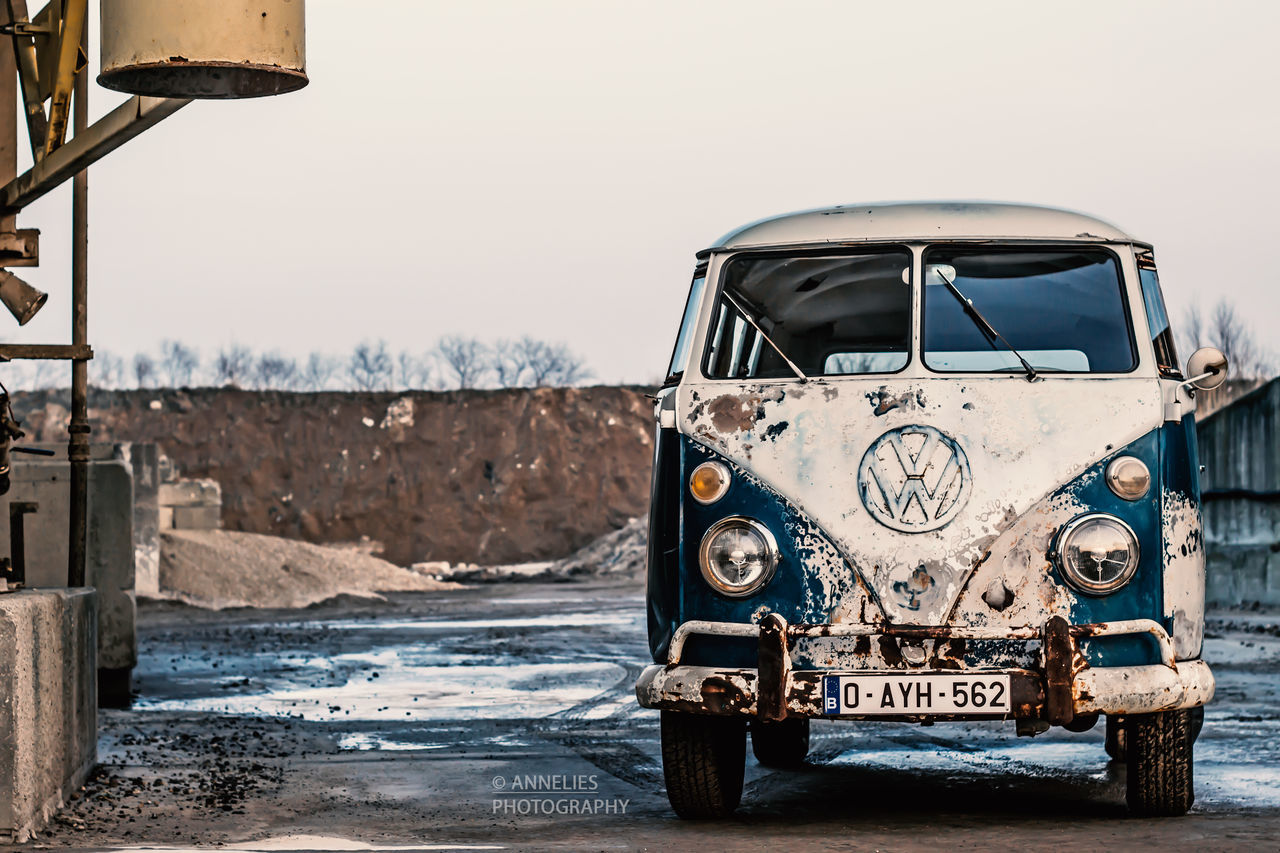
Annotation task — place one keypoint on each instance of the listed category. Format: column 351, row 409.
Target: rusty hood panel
column 914, row 479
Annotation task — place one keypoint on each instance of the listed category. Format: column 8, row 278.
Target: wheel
column 1159, row 763
column 703, row 758
column 782, row 744
column 1115, row 738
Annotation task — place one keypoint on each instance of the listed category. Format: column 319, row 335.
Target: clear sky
column 506, row 168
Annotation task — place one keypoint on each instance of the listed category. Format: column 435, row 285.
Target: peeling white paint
column 1183, row 571
column 1022, row 440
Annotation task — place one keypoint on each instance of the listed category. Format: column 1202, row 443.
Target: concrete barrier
column 110, row 558
column 48, row 703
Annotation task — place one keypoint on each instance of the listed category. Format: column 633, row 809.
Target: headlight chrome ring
column 1128, row 477
column 738, row 556
column 1097, row 553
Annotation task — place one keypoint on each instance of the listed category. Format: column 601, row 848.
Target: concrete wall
column 1240, row 450
column 48, row 703
column 111, row 555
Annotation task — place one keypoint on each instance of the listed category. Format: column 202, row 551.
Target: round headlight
column 738, row 556
column 1128, row 477
column 1097, row 553
column 708, row 482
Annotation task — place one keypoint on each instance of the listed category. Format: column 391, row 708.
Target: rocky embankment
column 477, row 477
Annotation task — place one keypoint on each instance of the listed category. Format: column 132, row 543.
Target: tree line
column 1223, row 327
column 454, row 362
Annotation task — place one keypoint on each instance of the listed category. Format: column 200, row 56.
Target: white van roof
column 933, row 220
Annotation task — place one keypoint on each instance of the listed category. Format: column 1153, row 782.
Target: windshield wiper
column 988, row 330
column 767, row 339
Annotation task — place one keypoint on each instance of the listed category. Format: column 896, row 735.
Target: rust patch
column 890, row 652
column 948, row 655
column 1058, row 666
column 720, row 696
column 882, row 402
column 772, row 665
column 734, row 414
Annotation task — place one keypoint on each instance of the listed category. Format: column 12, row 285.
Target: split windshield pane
column 1062, row 309
column 829, row 314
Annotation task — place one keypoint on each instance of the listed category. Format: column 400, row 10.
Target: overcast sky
column 499, row 169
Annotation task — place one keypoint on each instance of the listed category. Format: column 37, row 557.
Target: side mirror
column 1207, row 368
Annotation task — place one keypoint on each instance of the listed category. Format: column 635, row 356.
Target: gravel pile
column 621, row 554
column 218, row 569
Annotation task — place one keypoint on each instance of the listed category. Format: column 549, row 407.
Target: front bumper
column 1062, row 688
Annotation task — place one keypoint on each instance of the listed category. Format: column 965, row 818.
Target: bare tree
column 41, row 374
column 551, row 364
column 370, row 367
column 1191, row 335
column 144, row 370
column 413, row 371
column 318, row 371
column 1229, row 333
column 509, row 363
column 465, row 360
column 108, row 369
column 179, row 362
column 274, row 370
column 233, row 365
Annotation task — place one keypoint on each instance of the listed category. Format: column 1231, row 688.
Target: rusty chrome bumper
column 1063, row 687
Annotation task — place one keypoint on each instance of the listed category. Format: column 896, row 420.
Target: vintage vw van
column 924, row 462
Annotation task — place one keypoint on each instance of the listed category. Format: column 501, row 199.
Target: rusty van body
column 926, row 462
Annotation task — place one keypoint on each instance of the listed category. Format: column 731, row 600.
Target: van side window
column 685, row 337
column 1158, row 320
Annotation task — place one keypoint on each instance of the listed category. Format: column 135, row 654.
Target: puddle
column 373, row 741
column 550, row 620
column 1238, row 650
column 407, row 692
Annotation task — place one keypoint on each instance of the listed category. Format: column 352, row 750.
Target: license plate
column 916, row 694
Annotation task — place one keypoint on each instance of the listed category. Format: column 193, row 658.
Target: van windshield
column 829, row 314
column 1063, row 310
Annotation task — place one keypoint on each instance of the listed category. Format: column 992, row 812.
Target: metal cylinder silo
column 203, row 49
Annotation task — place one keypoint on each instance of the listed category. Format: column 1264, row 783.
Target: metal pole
column 78, row 446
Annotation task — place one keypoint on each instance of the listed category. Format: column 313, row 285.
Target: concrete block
column 48, row 703
column 144, row 459
column 111, row 555
column 190, row 493
column 164, row 518
column 197, row 517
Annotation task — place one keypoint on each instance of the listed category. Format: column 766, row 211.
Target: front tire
column 1158, row 748
column 782, row 744
column 703, row 759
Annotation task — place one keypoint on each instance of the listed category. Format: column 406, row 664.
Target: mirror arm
column 1194, row 379
column 1173, row 409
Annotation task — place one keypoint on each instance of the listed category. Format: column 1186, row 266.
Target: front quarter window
column 1158, row 322
column 685, row 337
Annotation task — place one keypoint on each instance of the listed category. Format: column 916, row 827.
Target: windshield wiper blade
column 984, row 326
column 798, row 372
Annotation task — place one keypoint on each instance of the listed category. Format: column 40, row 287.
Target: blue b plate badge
column 953, row 693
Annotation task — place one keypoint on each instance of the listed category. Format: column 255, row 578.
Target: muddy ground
column 419, row 721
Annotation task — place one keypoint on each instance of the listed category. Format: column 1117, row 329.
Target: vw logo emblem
column 914, row 479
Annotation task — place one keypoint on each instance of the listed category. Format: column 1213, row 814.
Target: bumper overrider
column 1064, row 687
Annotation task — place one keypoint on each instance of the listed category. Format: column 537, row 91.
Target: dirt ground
column 443, row 720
